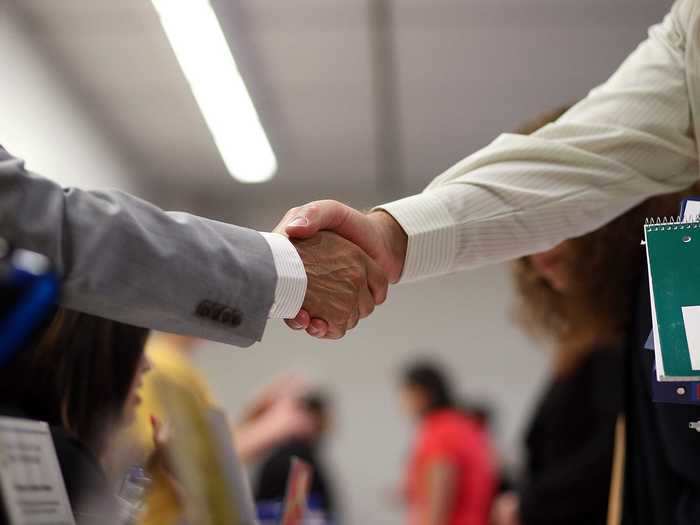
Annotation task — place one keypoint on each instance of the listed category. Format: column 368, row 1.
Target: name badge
column 31, row 484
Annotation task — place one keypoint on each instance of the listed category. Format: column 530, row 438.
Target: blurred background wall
column 361, row 104
column 46, row 122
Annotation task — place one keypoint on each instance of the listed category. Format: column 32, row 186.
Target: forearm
column 515, row 208
column 628, row 140
column 249, row 442
column 122, row 258
column 252, row 439
column 440, row 482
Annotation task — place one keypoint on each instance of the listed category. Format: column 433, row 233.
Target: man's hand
column 377, row 233
column 344, row 283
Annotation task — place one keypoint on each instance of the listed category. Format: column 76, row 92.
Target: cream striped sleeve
column 630, row 138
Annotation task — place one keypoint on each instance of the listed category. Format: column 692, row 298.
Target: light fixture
column 201, row 49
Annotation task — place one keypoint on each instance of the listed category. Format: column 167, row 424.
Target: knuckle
column 307, row 210
column 335, row 333
column 313, row 206
column 339, row 320
column 357, row 277
column 356, row 252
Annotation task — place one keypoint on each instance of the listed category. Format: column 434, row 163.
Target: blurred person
column 268, row 420
column 82, row 375
column 272, row 417
column 451, row 479
column 185, row 274
column 579, row 297
column 482, row 413
column 273, row 474
column 485, row 416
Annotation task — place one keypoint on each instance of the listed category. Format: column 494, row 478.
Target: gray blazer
column 122, row 258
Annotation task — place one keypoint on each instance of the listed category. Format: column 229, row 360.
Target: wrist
column 395, row 242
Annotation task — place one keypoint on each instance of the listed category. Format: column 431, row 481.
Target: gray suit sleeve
column 122, row 258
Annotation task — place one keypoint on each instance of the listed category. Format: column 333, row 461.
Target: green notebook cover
column 673, row 255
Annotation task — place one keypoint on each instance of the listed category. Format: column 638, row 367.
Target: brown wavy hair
column 604, row 268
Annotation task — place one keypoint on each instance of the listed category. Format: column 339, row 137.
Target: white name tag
column 691, row 320
column 31, row 485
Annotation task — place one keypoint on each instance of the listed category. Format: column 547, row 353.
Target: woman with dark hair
column 451, row 478
column 81, row 375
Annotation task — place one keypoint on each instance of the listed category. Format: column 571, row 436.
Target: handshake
column 349, row 257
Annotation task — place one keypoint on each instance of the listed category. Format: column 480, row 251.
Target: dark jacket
column 272, row 478
column 570, row 444
column 662, row 469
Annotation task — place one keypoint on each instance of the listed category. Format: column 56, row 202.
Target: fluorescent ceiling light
column 206, row 61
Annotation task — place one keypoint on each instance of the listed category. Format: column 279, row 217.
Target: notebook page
column 691, row 321
column 658, row 359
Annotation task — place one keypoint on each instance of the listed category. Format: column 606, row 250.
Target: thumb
column 353, row 225
column 334, row 216
column 311, row 218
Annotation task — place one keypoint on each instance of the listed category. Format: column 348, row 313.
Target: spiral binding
column 671, row 223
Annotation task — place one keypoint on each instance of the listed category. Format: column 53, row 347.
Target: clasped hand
column 349, row 257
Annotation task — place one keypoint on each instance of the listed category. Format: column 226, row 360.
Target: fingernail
column 299, row 221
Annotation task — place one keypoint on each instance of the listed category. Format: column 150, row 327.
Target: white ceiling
column 465, row 71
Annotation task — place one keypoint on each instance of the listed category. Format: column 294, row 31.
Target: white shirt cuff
column 432, row 235
column 291, row 277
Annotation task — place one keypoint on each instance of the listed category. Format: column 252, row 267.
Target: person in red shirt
column 451, row 479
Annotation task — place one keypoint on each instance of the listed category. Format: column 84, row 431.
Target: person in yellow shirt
column 271, row 418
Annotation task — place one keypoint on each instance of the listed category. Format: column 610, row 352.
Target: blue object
column 677, row 392
column 649, row 345
column 35, row 291
column 269, row 512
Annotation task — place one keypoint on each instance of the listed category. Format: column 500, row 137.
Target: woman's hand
column 160, row 458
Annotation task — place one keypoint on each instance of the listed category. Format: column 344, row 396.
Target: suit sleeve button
column 231, row 316
column 204, row 309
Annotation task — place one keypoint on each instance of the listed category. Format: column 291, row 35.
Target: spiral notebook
column 673, row 255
